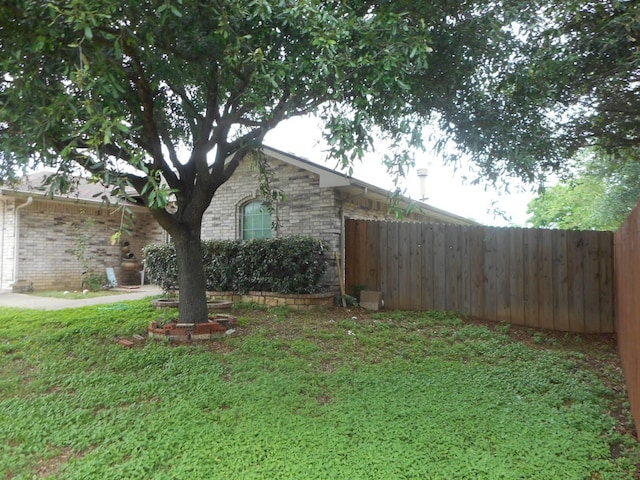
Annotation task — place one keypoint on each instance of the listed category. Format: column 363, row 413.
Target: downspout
column 343, row 250
column 17, row 238
column 4, row 227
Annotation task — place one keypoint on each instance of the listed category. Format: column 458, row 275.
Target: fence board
column 476, row 259
column 592, row 284
column 489, row 284
column 350, row 258
column 465, row 270
column 545, row 279
column 503, row 277
column 394, row 248
column 405, row 271
column 607, row 309
column 451, row 268
column 575, row 282
column 531, row 275
column 362, row 266
column 416, row 260
column 427, row 301
column 439, row 268
column 516, row 277
column 404, row 264
column 560, row 286
column 384, row 282
column 372, row 256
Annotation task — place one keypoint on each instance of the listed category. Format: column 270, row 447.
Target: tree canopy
column 549, row 78
column 135, row 81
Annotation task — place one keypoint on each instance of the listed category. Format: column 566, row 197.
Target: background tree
column 570, row 206
column 599, row 196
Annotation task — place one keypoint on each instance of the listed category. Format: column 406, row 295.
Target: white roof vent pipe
column 422, row 174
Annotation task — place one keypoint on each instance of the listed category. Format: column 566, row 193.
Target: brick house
column 37, row 235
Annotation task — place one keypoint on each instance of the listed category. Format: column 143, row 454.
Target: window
column 256, row 221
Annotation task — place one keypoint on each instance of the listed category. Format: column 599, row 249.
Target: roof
column 81, row 191
column 85, row 191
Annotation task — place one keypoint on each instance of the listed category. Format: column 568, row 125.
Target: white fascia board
column 59, row 199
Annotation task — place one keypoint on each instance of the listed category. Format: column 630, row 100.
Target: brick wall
column 48, row 231
column 271, row 299
column 362, row 208
column 306, row 210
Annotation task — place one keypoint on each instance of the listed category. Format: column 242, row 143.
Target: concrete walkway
column 20, row 300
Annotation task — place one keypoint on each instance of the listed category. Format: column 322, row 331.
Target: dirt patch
column 52, row 466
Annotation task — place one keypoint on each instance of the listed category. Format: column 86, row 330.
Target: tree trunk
column 192, row 283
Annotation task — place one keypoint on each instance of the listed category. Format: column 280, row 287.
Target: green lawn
column 340, row 394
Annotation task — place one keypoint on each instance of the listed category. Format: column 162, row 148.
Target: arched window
column 256, row 221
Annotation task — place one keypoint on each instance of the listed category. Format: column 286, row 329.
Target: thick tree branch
column 241, row 146
column 191, row 113
column 145, row 93
column 213, row 89
column 166, row 139
column 244, row 78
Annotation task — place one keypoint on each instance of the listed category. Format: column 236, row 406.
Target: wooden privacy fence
column 555, row 279
column 627, row 281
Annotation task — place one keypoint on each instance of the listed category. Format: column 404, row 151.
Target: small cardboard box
column 371, row 300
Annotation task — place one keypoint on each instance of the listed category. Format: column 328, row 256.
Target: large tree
column 169, row 95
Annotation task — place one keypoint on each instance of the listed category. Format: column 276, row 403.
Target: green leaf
column 115, row 238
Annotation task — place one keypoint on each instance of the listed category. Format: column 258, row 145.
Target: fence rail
column 555, row 279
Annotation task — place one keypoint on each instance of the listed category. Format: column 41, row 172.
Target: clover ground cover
column 333, row 394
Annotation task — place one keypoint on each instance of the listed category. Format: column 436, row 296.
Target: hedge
column 282, row 265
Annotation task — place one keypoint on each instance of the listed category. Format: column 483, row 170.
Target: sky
column 446, row 188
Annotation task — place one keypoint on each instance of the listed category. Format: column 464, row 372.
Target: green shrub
column 283, row 265
column 160, row 265
column 94, row 281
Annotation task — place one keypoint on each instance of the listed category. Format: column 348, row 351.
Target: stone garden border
column 306, row 301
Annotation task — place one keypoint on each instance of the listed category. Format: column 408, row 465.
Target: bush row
column 281, row 265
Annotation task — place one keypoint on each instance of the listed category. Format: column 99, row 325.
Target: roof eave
column 61, row 199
